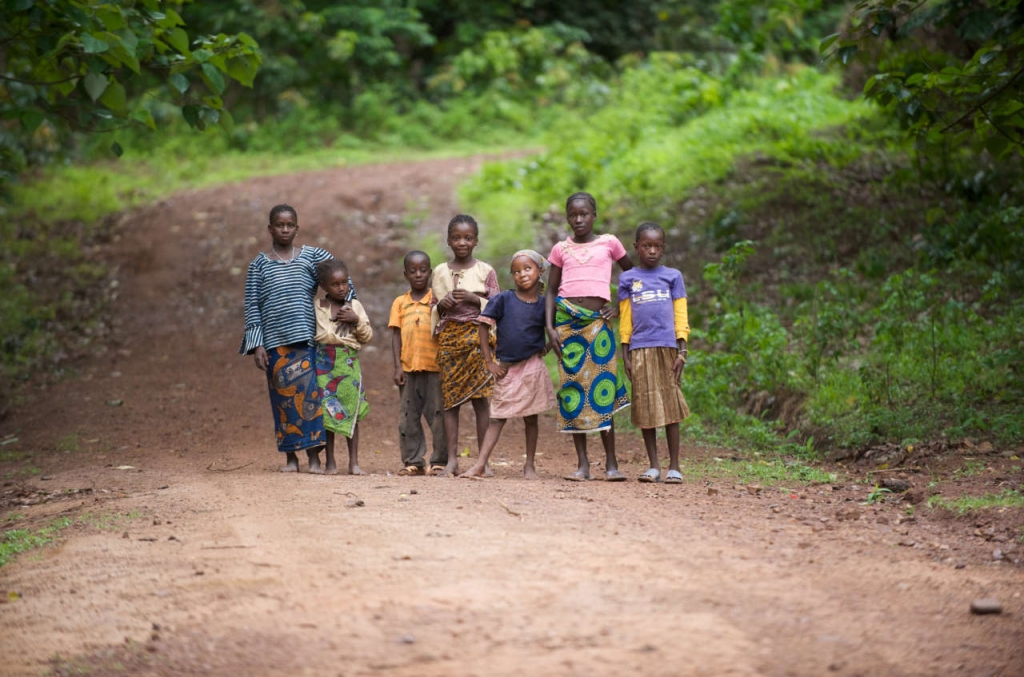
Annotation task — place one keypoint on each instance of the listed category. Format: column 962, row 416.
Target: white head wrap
column 541, row 262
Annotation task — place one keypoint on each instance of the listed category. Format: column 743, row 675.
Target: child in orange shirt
column 414, row 351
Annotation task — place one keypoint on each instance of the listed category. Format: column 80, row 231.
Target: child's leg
column 291, row 463
column 579, row 440
column 434, row 414
column 451, row 431
column 411, row 441
column 482, row 412
column 651, row 444
column 330, row 467
column 672, row 433
column 490, row 439
column 313, row 454
column 353, row 454
column 529, row 468
column 611, row 465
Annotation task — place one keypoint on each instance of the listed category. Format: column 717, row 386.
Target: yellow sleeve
column 625, row 321
column 682, row 321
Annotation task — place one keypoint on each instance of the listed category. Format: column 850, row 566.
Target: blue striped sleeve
column 253, row 337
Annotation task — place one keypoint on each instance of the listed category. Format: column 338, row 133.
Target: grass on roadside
column 22, row 540
column 1008, row 498
column 17, row 541
column 768, row 473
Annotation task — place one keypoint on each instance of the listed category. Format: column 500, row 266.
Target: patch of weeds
column 877, row 495
column 971, row 468
column 1009, row 498
column 8, row 455
column 13, row 517
column 109, row 521
column 22, row 472
column 68, row 443
column 766, row 473
column 21, row 540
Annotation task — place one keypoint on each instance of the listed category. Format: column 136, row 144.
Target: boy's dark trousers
column 421, row 397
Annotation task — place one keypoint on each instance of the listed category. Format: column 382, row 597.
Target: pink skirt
column 524, row 391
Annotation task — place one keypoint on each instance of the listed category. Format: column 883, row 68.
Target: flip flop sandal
column 673, row 477
column 576, row 477
column 411, row 470
column 614, row 476
column 435, row 470
column 651, row 475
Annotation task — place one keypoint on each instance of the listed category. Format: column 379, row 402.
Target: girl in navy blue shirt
column 522, row 383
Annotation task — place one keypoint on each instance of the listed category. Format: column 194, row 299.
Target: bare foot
column 314, row 461
column 580, row 475
column 355, row 470
column 331, row 469
column 529, row 472
column 614, row 475
column 290, row 466
column 450, row 470
column 475, row 471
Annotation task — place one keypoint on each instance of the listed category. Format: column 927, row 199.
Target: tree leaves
column 970, row 90
column 80, row 66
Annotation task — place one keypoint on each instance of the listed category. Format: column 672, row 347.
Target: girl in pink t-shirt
column 576, row 313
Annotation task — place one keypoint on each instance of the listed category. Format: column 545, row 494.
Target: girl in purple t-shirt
column 576, row 312
column 654, row 327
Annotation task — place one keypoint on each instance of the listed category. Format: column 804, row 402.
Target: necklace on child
column 288, row 260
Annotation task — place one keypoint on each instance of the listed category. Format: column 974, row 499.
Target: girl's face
column 283, row 228
column 462, row 239
column 336, row 286
column 525, row 273
column 649, row 248
column 581, row 217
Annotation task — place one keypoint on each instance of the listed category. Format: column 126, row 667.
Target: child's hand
column 677, row 367
column 465, row 296
column 609, row 311
column 399, row 377
column 261, row 357
column 554, row 343
column 446, row 303
column 497, row 369
column 346, row 314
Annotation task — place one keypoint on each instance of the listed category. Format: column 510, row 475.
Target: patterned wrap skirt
column 463, row 374
column 341, row 382
column 295, row 398
column 590, row 391
column 525, row 390
column 657, row 398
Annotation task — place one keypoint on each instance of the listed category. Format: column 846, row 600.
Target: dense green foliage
column 849, row 230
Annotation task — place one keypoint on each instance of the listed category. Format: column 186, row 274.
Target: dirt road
column 199, row 559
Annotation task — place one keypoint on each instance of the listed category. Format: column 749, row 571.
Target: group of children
column 456, row 338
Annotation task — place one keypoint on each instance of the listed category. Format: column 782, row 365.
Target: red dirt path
column 201, row 560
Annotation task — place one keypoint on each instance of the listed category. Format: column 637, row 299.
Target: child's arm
column 252, row 342
column 682, row 323
column 554, row 282
column 497, row 369
column 626, row 334
column 362, row 329
column 396, row 355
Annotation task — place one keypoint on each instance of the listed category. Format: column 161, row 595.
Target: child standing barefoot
column 414, row 351
column 654, row 327
column 576, row 314
column 522, row 384
column 279, row 321
column 461, row 288
column 342, row 328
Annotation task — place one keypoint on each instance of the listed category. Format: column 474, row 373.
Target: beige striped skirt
column 657, row 398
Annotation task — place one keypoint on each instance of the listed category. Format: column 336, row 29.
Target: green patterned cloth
column 590, row 391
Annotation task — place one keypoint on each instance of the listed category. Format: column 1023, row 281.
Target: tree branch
column 981, row 104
